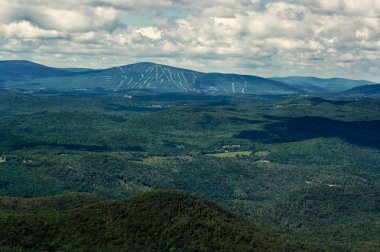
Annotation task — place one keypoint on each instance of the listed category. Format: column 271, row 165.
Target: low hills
column 320, row 85
column 367, row 90
column 152, row 221
column 20, row 70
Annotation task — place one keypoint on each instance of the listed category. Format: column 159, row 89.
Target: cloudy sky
column 260, row 37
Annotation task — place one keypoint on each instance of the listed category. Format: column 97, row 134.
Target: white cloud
column 306, row 37
column 150, row 32
column 26, row 30
column 69, row 16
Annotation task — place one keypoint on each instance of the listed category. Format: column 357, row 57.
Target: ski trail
column 180, row 74
column 180, row 83
column 170, row 74
column 124, row 78
column 149, row 70
column 120, row 84
column 122, row 70
column 183, row 84
column 138, row 81
column 243, row 90
column 141, row 81
column 129, row 81
column 164, row 73
column 146, row 82
column 194, row 78
column 184, row 78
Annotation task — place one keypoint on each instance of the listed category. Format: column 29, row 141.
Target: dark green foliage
column 313, row 173
column 302, row 128
column 319, row 206
column 155, row 221
column 327, row 210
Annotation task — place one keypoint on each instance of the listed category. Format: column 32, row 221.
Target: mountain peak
column 142, row 64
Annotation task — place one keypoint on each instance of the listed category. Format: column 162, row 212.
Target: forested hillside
column 306, row 168
column 155, row 221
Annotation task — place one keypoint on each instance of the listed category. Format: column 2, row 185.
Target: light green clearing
column 230, row 154
column 231, row 147
column 262, row 153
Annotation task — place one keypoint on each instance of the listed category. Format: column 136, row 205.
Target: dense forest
column 303, row 169
column 153, row 221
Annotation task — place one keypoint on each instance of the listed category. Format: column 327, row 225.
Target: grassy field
column 231, row 154
column 262, row 153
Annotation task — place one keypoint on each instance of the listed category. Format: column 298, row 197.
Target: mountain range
column 367, row 90
column 32, row 77
column 319, row 85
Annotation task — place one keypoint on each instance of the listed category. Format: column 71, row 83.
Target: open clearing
column 262, row 153
column 231, row 154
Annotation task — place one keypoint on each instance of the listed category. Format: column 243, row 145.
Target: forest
column 304, row 172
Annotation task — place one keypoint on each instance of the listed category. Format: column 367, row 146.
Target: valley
column 307, row 173
column 189, row 126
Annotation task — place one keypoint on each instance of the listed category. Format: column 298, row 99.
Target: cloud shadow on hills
column 363, row 133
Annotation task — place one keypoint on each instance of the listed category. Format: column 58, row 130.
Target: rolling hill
column 153, row 221
column 307, row 166
column 20, row 70
column 367, row 90
column 319, row 85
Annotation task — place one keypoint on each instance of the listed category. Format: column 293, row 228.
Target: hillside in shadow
column 363, row 133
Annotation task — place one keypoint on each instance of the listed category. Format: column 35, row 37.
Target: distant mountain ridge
column 321, row 85
column 367, row 90
column 29, row 76
column 19, row 70
column 32, row 77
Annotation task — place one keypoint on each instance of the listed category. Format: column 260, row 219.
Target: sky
column 324, row 38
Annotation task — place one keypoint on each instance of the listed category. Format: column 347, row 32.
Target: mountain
column 367, row 90
column 152, row 221
column 29, row 76
column 20, row 70
column 148, row 76
column 319, row 85
column 244, row 84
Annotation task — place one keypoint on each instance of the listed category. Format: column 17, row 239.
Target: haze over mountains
column 319, row 85
column 367, row 90
column 32, row 77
